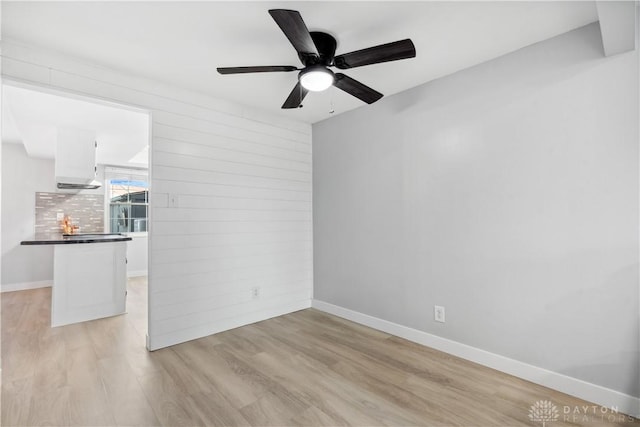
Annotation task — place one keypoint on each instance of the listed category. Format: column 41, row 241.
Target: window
column 128, row 199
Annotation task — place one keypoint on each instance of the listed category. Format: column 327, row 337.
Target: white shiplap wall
column 241, row 182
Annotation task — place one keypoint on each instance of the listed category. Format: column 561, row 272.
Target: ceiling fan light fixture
column 317, row 52
column 316, row 79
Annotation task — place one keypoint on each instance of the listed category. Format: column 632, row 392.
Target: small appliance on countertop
column 67, row 226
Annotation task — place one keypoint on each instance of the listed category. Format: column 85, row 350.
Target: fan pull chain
column 301, row 92
column 331, row 109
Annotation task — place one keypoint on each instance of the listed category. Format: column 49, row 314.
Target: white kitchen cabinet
column 75, row 156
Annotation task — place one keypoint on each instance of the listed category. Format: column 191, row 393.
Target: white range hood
column 76, row 159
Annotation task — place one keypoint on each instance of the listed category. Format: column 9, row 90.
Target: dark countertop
column 60, row 239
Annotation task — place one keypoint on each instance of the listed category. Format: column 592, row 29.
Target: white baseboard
column 12, row 287
column 137, row 273
column 603, row 396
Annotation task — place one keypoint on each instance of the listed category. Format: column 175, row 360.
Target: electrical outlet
column 255, row 292
column 59, row 216
column 438, row 313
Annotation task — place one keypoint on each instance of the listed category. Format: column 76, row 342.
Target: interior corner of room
column 447, row 233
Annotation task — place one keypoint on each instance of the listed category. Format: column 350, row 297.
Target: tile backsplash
column 85, row 210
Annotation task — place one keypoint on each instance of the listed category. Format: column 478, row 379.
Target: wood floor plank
column 169, row 404
column 315, row 417
column 271, row 390
column 308, row 347
column 81, row 367
column 471, row 408
column 235, row 389
column 186, row 379
column 47, row 408
column 87, row 406
column 16, row 401
column 215, row 410
column 50, row 373
column 308, row 380
column 126, row 399
column 19, row 356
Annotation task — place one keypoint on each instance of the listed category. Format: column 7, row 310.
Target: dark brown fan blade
column 265, row 69
column 394, row 51
column 357, row 89
column 292, row 25
column 295, row 97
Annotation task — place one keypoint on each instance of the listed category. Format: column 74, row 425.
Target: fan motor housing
column 326, row 45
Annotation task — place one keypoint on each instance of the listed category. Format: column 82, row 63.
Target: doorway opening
column 35, row 159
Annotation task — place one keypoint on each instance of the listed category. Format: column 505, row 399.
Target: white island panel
column 90, row 282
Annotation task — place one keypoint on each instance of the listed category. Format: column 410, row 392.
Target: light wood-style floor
column 305, row 368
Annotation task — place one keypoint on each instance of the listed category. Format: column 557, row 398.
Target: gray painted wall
column 507, row 193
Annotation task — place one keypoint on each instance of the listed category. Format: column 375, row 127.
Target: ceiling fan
column 317, row 50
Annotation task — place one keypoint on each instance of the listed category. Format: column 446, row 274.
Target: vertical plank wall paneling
column 230, row 195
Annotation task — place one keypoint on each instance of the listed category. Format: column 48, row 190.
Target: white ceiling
column 182, row 43
column 31, row 118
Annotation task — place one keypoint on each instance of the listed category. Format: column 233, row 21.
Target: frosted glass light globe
column 316, row 79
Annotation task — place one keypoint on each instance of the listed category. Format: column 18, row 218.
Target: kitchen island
column 89, row 276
